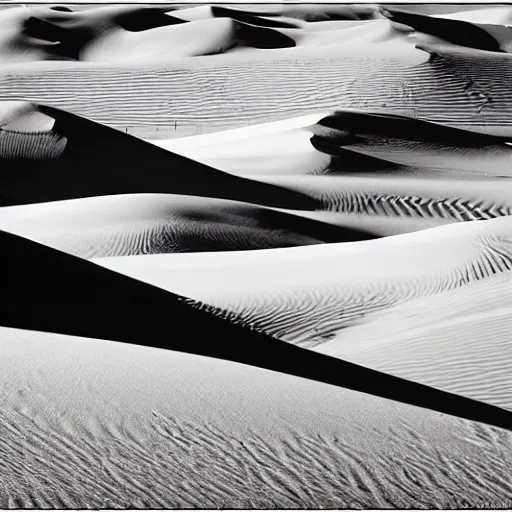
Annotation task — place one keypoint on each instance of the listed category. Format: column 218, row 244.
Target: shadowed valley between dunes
column 55, row 292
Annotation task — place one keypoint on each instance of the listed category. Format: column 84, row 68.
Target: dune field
column 256, row 256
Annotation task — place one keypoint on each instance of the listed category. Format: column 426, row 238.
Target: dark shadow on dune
column 261, row 37
column 457, row 32
column 252, row 18
column 304, row 12
column 146, row 19
column 357, row 127
column 346, row 161
column 47, row 290
column 97, row 160
column 61, row 8
column 323, row 231
column 69, row 41
column 73, row 31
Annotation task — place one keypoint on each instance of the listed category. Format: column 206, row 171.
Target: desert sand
column 132, row 224
column 339, row 283
column 255, row 256
column 404, row 73
column 130, row 426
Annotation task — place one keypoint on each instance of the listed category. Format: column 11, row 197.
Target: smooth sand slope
column 95, row 424
column 132, row 224
column 459, row 341
column 49, row 155
column 414, row 74
column 430, row 306
column 446, row 175
column 305, row 295
column 349, row 141
column 54, row 292
column 480, row 36
column 130, row 33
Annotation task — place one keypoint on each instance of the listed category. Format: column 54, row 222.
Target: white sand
column 184, row 96
column 94, row 424
column 459, row 341
column 307, row 294
column 98, row 424
column 133, row 224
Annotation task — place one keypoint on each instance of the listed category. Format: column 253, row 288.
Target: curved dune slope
column 443, row 177
column 446, row 179
column 303, row 12
column 75, row 157
column 492, row 15
column 54, row 292
column 492, row 38
column 413, row 142
column 202, row 37
column 413, row 74
column 43, row 33
column 123, row 33
column 459, row 341
column 399, row 204
column 134, row 224
column 305, row 295
column 144, row 428
column 349, row 141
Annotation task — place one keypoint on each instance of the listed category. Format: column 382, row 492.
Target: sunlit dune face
column 28, row 134
column 30, row 122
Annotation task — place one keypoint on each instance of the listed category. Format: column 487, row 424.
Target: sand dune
column 118, row 33
column 134, row 224
column 399, row 204
column 59, row 156
column 459, row 341
column 55, row 292
column 337, row 333
column 306, row 295
column 412, row 142
column 416, row 76
column 483, row 14
column 488, row 37
column 348, row 141
column 276, row 12
column 139, row 427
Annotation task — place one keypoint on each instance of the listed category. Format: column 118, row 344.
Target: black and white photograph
column 255, row 256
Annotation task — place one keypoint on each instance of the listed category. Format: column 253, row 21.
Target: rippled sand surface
column 255, row 256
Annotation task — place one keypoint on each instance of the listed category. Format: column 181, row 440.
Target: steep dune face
column 306, row 295
column 126, row 425
column 348, row 163
column 400, row 204
column 480, row 36
column 227, row 320
column 52, row 291
column 458, row 341
column 349, row 141
column 412, row 142
column 134, row 224
column 130, row 33
column 72, row 157
column 405, row 70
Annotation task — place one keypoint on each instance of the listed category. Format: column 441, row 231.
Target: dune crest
column 133, row 224
column 71, row 296
column 339, row 284
column 148, row 421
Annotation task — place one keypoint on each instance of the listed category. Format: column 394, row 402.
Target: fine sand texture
column 133, row 224
column 306, row 294
column 202, row 69
column 255, row 256
column 460, row 341
column 55, row 292
column 125, row 426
